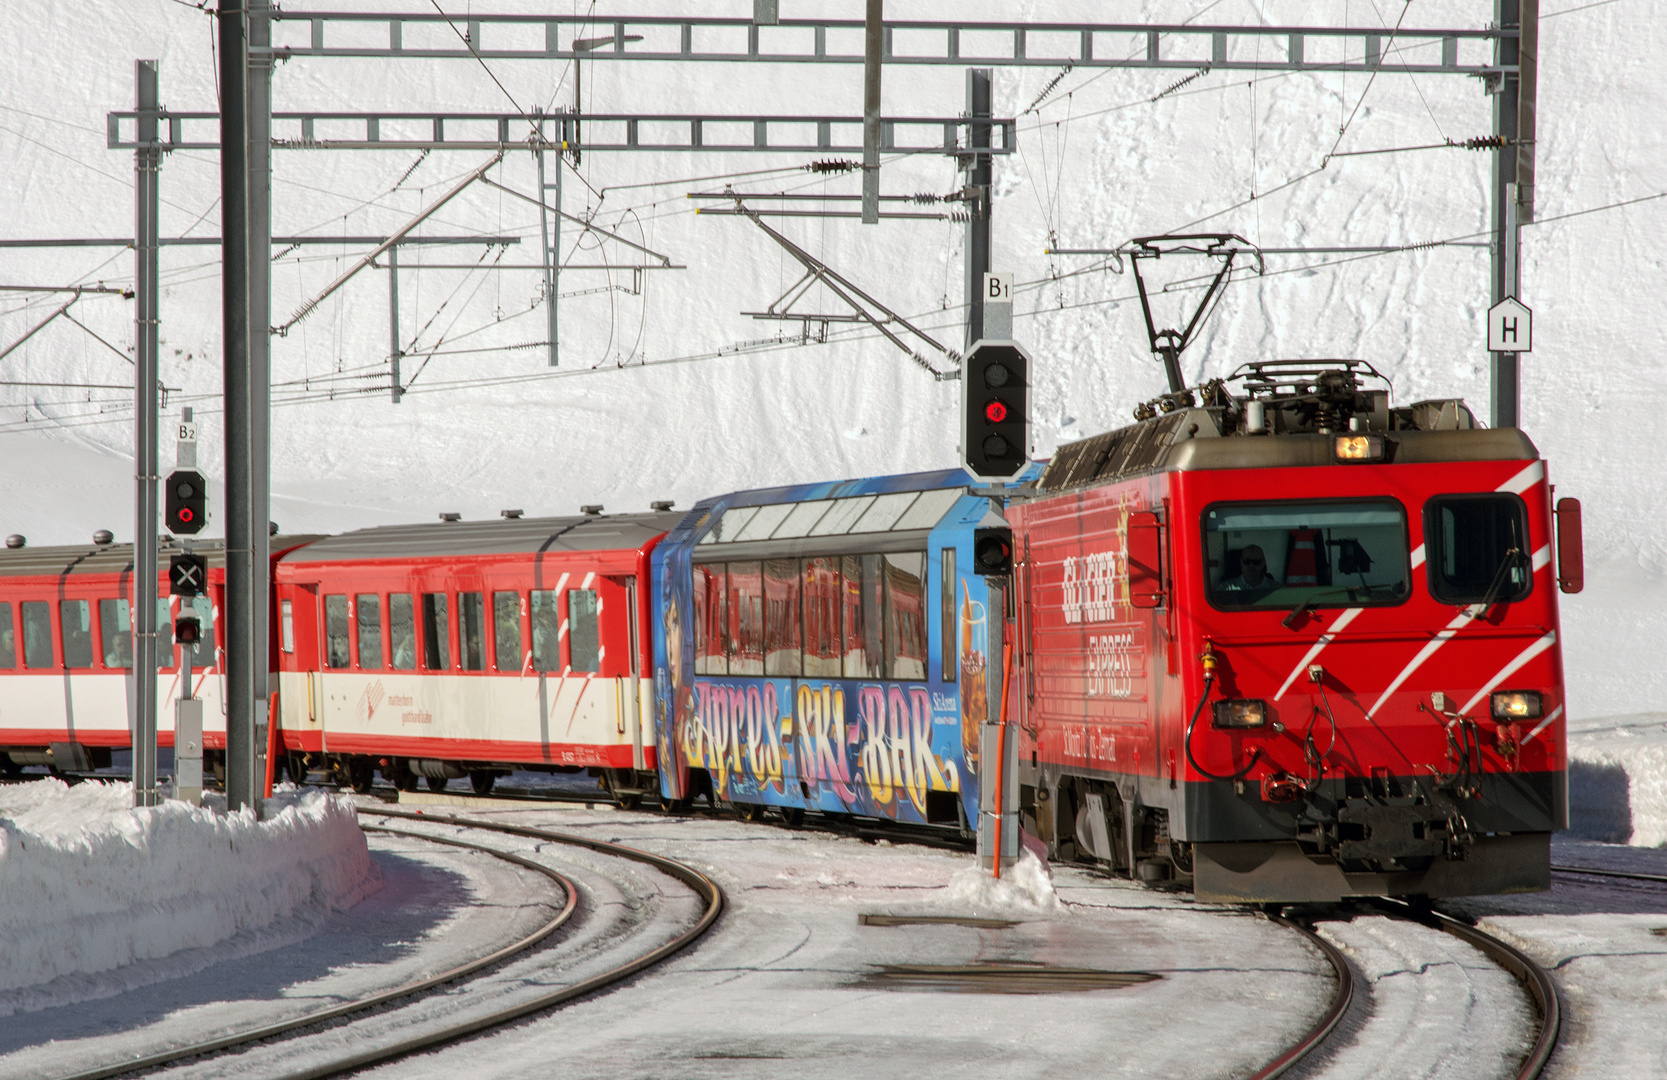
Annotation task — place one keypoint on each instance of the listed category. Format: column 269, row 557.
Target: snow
column 90, row 885
column 1026, row 885
column 1618, row 779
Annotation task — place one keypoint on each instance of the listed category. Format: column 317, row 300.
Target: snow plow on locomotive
column 1295, row 645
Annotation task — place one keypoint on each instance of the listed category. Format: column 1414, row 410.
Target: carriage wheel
column 482, row 780
column 437, row 783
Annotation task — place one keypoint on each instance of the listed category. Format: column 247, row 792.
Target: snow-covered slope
column 619, row 422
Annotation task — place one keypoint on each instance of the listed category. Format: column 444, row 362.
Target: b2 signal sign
column 995, row 409
column 185, row 502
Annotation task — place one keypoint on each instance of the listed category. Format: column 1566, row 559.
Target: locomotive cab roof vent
column 449, row 516
column 591, row 509
column 659, row 505
column 16, row 540
column 510, row 515
column 104, row 537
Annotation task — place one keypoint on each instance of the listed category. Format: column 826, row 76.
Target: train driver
column 1253, row 581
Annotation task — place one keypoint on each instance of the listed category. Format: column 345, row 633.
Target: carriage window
column 337, row 652
column 746, row 618
column 546, row 631
column 402, row 631
column 370, row 631
column 76, row 618
column 823, row 650
column 8, row 638
column 1478, row 548
column 506, row 627
column 781, row 617
column 37, row 634
column 863, row 609
column 436, row 633
column 115, row 626
column 711, row 658
column 946, row 616
column 1310, row 554
column 906, row 615
column 584, row 646
column 471, row 630
column 287, row 629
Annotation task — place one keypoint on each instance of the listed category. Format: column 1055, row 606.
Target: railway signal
column 992, row 551
column 187, row 575
column 995, row 409
column 188, row 629
column 185, row 502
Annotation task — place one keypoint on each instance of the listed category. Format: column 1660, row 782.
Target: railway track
column 432, row 1035
column 1533, row 978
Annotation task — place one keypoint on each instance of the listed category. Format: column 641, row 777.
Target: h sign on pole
column 1510, row 327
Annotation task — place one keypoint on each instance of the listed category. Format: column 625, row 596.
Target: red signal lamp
column 995, row 412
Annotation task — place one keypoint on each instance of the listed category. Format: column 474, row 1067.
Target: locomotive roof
column 440, row 539
column 1190, row 439
column 71, row 559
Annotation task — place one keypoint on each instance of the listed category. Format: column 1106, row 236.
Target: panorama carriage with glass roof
column 1296, row 645
column 828, row 647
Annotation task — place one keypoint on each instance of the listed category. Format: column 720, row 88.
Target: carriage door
column 632, row 683
column 299, row 630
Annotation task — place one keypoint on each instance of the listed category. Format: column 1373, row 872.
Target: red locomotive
column 1295, row 645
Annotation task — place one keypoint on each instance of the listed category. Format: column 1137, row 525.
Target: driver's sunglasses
column 1253, row 562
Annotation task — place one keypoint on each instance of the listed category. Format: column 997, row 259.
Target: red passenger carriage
column 470, row 649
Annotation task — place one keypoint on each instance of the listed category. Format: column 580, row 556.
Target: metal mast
column 147, row 163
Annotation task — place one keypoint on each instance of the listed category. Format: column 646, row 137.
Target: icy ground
column 791, row 982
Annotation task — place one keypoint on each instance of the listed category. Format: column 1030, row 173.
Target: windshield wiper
column 1512, row 557
column 1290, row 620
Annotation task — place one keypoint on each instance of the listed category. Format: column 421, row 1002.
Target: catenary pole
column 258, row 123
column 1504, row 392
column 147, row 163
column 237, row 611
column 977, row 202
column 874, row 34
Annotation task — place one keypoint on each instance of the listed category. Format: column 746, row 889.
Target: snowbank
column 1618, row 779
column 89, row 884
column 1027, row 885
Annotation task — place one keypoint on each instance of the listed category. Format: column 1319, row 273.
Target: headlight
column 1240, row 713
column 1358, row 448
column 1516, row 705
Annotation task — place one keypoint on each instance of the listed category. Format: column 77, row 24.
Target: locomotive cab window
column 1306, row 554
column 1477, row 548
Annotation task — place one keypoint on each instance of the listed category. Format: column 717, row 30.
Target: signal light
column 995, row 414
column 185, row 502
column 992, row 551
column 187, row 575
column 188, row 629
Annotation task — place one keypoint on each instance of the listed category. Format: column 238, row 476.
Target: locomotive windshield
column 1306, row 554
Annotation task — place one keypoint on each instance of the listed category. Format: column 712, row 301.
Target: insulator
column 831, row 166
column 1486, row 142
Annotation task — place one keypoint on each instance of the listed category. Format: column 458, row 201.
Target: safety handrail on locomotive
column 1295, row 555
